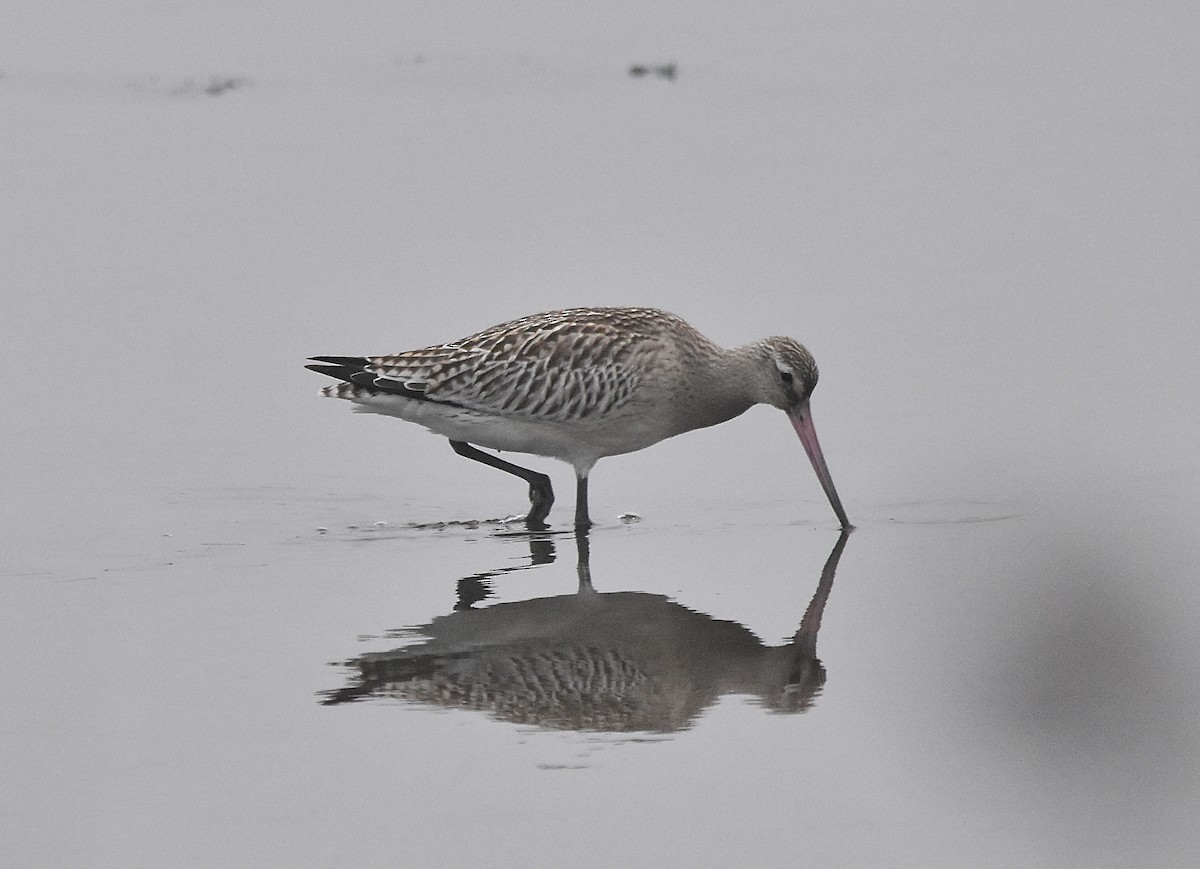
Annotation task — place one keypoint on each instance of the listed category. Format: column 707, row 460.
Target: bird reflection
column 595, row 661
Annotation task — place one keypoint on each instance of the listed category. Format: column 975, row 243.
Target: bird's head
column 791, row 373
column 791, row 376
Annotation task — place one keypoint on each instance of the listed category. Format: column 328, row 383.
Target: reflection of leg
column 584, row 566
column 541, row 494
column 471, row 590
column 581, row 505
column 541, row 549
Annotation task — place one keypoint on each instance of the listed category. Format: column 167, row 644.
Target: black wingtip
column 352, row 369
column 347, row 361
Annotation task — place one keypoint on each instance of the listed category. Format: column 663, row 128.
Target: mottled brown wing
column 563, row 366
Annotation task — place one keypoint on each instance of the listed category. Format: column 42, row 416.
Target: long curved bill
column 801, row 418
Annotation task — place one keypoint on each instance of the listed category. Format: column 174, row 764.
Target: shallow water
column 242, row 626
column 976, row 688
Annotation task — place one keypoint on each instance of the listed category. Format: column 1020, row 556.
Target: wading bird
column 578, row 385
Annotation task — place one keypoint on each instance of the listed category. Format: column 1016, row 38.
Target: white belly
column 578, row 442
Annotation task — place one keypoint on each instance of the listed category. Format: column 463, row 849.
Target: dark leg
column 581, row 507
column 584, row 565
column 541, row 494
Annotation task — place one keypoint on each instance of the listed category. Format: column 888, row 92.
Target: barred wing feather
column 560, row 367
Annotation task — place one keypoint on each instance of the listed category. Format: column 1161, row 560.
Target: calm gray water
column 241, row 626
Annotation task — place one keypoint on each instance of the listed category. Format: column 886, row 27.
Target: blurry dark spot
column 214, row 87
column 666, row 70
column 218, row 86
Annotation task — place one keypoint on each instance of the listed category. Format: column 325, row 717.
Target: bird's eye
column 786, row 376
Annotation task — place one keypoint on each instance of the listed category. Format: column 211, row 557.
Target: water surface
column 981, row 227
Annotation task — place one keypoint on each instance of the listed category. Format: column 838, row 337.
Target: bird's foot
column 541, row 499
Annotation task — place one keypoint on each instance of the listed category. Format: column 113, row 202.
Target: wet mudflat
column 242, row 626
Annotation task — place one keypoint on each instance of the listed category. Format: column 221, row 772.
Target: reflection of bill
column 618, row 661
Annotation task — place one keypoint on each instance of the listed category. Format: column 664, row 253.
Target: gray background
column 982, row 220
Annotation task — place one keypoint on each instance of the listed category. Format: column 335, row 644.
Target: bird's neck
column 726, row 385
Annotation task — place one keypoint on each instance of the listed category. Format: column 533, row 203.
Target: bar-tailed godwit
column 578, row 385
